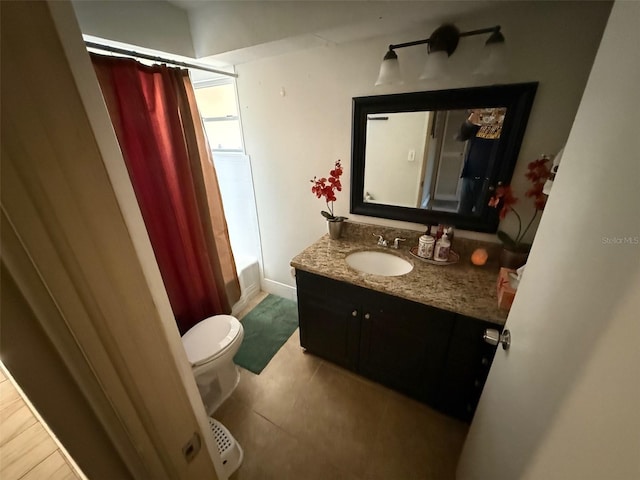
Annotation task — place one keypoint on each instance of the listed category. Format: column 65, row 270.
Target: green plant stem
column 330, row 208
column 517, row 241
column 535, row 214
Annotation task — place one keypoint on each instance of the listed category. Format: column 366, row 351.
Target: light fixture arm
column 408, row 44
column 446, row 38
column 480, row 31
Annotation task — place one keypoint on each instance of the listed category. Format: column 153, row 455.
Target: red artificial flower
column 537, row 172
column 535, row 191
column 540, row 203
column 326, row 188
column 504, row 196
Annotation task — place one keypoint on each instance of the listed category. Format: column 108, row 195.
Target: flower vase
column 335, row 228
column 513, row 259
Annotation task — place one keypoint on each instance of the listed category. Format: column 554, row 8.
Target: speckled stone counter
column 462, row 287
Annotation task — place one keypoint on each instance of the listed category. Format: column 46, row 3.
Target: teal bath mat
column 266, row 328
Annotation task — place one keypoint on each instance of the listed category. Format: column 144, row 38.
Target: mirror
column 435, row 157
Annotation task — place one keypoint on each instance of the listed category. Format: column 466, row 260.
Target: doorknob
column 494, row 337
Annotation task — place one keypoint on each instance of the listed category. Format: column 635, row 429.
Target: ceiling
column 305, row 23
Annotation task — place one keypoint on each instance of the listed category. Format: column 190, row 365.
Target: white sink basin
column 378, row 263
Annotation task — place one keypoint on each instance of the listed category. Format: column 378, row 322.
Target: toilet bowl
column 211, row 345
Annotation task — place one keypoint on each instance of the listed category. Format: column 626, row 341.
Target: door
column 562, row 402
column 329, row 314
column 468, row 362
column 451, row 159
column 74, row 246
column 404, row 344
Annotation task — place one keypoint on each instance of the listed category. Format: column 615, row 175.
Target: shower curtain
column 154, row 114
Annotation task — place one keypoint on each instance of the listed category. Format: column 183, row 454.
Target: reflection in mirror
column 401, row 185
column 440, row 153
column 442, row 158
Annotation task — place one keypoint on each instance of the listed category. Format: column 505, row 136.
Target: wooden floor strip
column 28, row 450
column 25, row 451
column 54, row 467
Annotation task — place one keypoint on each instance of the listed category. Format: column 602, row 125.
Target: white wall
column 152, row 24
column 563, row 402
column 293, row 137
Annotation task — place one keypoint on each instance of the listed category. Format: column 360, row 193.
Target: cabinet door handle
column 367, row 316
column 354, row 313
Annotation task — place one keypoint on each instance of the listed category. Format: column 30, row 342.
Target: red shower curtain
column 163, row 143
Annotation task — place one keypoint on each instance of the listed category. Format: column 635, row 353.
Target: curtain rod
column 178, row 63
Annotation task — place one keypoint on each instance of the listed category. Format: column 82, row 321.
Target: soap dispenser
column 442, row 248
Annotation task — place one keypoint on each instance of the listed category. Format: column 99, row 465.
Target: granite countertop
column 461, row 287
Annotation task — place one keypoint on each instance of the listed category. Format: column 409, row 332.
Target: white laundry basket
column 229, row 449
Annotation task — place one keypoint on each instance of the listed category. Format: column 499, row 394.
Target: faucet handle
column 381, row 241
column 395, row 242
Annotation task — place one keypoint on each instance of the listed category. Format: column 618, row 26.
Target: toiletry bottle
column 431, row 243
column 449, row 230
column 442, row 249
column 425, row 245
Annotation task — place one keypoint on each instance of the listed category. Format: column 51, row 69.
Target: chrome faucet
column 381, row 241
column 395, row 242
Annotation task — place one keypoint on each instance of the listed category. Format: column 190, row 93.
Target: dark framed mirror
column 436, row 156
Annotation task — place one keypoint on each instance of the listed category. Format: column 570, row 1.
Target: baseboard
column 244, row 300
column 280, row 289
column 239, row 306
column 252, row 291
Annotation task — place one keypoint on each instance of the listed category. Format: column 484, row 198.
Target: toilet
column 211, row 345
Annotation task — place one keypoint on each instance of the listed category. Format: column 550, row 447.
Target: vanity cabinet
column 433, row 355
column 468, row 362
column 396, row 342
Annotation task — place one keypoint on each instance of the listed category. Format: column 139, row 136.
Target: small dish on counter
column 453, row 257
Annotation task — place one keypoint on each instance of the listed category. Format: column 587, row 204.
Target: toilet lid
column 209, row 337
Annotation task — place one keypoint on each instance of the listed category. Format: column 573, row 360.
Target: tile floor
column 305, row 418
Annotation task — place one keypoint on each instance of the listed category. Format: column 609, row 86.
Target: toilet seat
column 210, row 338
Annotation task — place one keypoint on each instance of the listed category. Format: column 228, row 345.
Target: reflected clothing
column 470, row 195
column 479, row 156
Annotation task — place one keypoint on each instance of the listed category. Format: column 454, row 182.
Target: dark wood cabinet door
column 433, row 355
column 403, row 344
column 468, row 362
column 329, row 319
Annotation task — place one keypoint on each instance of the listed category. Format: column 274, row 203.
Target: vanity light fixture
column 440, row 46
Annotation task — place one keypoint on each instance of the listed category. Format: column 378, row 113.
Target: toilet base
column 217, row 386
